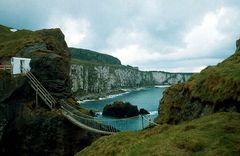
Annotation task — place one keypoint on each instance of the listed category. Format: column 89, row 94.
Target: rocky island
column 120, row 109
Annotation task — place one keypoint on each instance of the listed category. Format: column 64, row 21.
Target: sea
column 147, row 98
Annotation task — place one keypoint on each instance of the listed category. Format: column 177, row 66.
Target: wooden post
column 142, row 122
column 36, row 98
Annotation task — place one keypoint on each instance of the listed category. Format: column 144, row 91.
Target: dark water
column 147, row 98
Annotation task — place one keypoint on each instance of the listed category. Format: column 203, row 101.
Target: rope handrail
column 37, row 86
column 91, row 122
column 40, row 85
column 66, row 106
column 74, row 121
column 46, row 100
column 42, row 94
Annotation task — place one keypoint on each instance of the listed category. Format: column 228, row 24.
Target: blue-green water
column 147, row 98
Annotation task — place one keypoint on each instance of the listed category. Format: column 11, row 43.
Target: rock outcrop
column 25, row 127
column 120, row 109
column 97, row 78
column 215, row 89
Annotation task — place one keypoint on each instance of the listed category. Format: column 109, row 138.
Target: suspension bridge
column 97, row 125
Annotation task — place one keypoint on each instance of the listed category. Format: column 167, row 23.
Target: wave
column 98, row 113
column 153, row 112
column 83, row 101
column 113, row 96
column 162, row 86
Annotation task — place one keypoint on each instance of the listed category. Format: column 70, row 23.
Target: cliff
column 87, row 77
column 92, row 56
column 215, row 89
column 28, row 128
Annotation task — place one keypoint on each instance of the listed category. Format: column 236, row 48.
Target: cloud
column 212, row 37
column 184, row 35
column 76, row 30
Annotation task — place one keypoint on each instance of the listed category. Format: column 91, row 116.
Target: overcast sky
column 170, row 35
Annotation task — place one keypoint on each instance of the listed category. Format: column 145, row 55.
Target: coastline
column 113, row 93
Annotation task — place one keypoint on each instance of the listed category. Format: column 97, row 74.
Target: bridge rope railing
column 92, row 123
column 74, row 110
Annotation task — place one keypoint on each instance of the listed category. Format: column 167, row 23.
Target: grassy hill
column 92, row 56
column 216, row 88
column 216, row 134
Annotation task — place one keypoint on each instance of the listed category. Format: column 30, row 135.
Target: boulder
column 120, row 109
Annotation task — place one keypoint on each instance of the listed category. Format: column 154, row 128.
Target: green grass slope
column 12, row 42
column 216, row 134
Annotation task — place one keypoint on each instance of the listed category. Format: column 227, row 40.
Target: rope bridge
column 97, row 125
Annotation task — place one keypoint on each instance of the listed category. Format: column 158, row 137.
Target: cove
column 147, row 98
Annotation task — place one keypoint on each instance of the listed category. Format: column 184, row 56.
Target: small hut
column 20, row 65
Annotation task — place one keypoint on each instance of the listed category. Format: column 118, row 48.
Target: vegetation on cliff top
column 14, row 43
column 217, row 134
column 92, row 56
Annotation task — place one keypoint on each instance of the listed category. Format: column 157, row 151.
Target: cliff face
column 102, row 78
column 93, row 78
column 215, row 89
column 169, row 78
